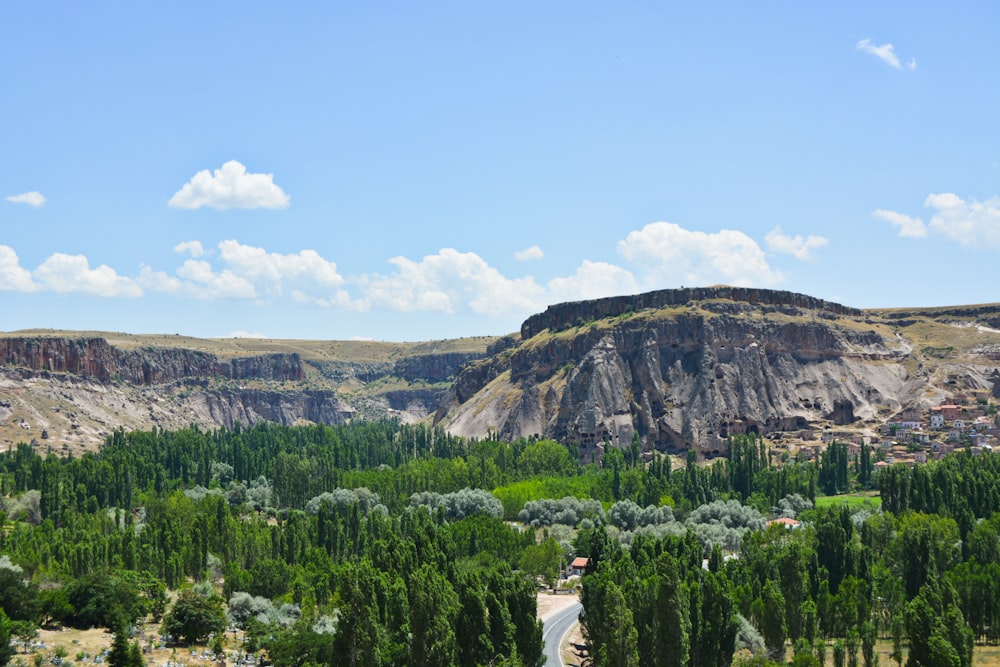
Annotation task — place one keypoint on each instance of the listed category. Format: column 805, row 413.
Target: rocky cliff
column 70, row 391
column 563, row 315
column 95, row 358
column 679, row 368
column 686, row 368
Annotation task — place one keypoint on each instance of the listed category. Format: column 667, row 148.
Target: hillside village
column 963, row 421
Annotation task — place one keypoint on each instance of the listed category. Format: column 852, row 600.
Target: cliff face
column 564, row 315
column 73, row 391
column 679, row 368
column 228, row 407
column 95, row 358
column 687, row 368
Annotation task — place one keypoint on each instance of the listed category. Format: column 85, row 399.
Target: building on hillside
column 951, row 412
column 578, row 566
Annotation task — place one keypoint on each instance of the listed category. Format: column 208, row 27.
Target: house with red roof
column 578, row 565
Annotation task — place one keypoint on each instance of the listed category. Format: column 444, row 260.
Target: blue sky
column 414, row 171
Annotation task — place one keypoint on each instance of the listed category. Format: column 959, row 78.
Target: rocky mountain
column 677, row 368
column 689, row 367
column 69, row 390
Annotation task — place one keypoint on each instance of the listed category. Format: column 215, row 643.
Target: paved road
column 556, row 627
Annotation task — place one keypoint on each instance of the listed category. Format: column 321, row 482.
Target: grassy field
column 80, row 647
column 982, row 655
column 854, row 501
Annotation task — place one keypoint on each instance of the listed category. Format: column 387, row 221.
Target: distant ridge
column 563, row 315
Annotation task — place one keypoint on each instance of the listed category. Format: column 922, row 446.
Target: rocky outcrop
column 564, row 315
column 985, row 314
column 680, row 368
column 687, row 368
column 228, row 407
column 75, row 390
column 95, row 358
column 429, row 368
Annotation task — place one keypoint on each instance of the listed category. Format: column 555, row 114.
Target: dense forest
column 390, row 544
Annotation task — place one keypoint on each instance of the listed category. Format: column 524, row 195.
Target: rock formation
column 687, row 368
column 73, row 391
column 95, row 358
column 679, row 368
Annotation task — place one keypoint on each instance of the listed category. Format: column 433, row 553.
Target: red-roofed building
column 578, row 565
column 951, row 412
column 783, row 521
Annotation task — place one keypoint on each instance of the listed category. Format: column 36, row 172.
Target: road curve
column 556, row 627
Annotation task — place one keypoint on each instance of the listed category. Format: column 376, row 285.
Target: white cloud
column 273, row 269
column 671, row 255
column 972, row 223
column 225, row 284
column 195, row 278
column 912, row 64
column 231, row 186
column 69, row 274
column 534, row 252
column 193, row 248
column 245, row 334
column 13, row 277
column 969, row 223
column 592, row 280
column 908, row 226
column 33, row 199
column 886, row 53
column 448, row 282
column 248, row 272
column 797, row 246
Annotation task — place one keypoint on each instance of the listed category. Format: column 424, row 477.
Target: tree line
column 382, row 543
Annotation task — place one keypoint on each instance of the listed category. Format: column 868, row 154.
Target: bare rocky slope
column 70, row 390
column 679, row 368
column 686, row 368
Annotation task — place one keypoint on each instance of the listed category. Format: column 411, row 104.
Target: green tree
column 838, row 653
column 898, row 627
column 18, row 596
column 194, row 617
column 938, row 634
column 546, row 457
column 433, row 608
column 716, row 638
column 671, row 615
column 772, row 622
column 819, row 648
column 356, row 640
column 868, row 637
column 135, row 655
column 119, row 654
column 6, row 632
column 473, row 623
column 543, row 560
column 621, row 649
column 851, row 642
